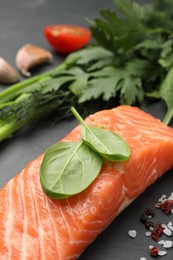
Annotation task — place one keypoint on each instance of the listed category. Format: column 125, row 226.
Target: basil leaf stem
column 68, row 168
column 108, row 144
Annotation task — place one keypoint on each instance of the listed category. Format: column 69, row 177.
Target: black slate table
column 22, row 22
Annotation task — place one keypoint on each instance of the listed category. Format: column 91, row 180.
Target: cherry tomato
column 67, row 38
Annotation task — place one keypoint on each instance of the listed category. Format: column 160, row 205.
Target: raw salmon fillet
column 33, row 226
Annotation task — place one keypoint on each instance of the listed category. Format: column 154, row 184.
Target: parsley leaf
column 121, row 28
column 110, row 81
column 131, row 90
column 88, row 55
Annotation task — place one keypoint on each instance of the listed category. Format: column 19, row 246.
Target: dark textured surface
column 22, row 22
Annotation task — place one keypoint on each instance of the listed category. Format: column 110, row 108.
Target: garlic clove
column 30, row 56
column 8, row 74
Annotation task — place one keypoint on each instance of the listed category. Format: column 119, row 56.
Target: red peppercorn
column 143, row 218
column 154, row 251
column 157, row 232
column 150, row 212
column 149, row 223
column 166, row 206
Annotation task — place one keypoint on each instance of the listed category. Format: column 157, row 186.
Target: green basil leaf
column 108, row 144
column 68, row 168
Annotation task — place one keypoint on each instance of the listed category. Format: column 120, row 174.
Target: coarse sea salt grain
column 162, row 253
column 167, row 231
column 161, row 242
column 164, row 226
column 150, row 246
column 157, row 205
column 170, row 226
column 168, row 244
column 132, row 233
column 169, row 223
column 160, row 199
column 143, row 258
column 151, row 228
column 171, row 196
column 148, row 233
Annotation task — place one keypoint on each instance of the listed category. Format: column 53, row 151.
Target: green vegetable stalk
column 130, row 59
column 30, row 100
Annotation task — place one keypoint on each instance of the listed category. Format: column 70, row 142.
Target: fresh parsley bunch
column 139, row 40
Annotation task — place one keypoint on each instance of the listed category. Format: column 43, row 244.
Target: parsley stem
column 168, row 116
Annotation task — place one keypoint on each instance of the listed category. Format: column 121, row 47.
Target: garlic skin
column 30, row 56
column 8, row 74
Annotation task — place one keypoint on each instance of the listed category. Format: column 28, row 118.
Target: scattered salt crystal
column 162, row 253
column 164, row 226
column 161, row 242
column 171, row 196
column 160, row 199
column 169, row 223
column 167, row 231
column 168, row 244
column 170, row 226
column 149, row 216
column 163, row 196
column 148, row 233
column 150, row 246
column 132, row 233
column 151, row 228
column 143, row 258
